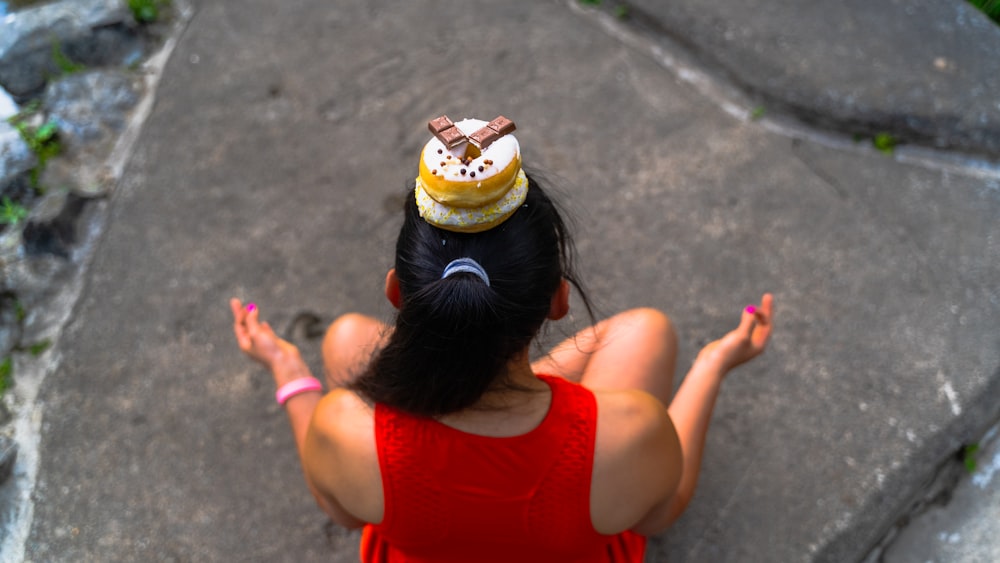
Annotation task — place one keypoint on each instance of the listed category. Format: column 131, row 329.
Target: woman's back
column 450, row 495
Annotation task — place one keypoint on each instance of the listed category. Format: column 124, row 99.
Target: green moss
column 38, row 348
column 969, row 457
column 989, row 7
column 65, row 64
column 147, row 11
column 6, row 374
column 885, row 142
column 11, row 212
column 43, row 141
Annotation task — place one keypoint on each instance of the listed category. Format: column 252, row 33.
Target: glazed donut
column 470, row 174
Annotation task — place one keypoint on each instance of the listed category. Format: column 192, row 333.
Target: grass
column 619, row 10
column 12, row 212
column 65, row 64
column 38, row 348
column 43, row 141
column 6, row 373
column 885, row 142
column 989, row 7
column 147, row 11
column 969, row 457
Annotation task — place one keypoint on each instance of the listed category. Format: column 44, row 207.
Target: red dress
column 451, row 496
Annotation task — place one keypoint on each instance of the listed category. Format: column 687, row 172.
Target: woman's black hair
column 454, row 337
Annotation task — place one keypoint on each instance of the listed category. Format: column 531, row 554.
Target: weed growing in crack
column 12, row 212
column 885, row 142
column 43, row 141
column 38, row 348
column 147, row 11
column 65, row 64
column 969, row 457
column 6, row 373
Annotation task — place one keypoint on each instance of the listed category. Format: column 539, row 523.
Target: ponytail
column 455, row 335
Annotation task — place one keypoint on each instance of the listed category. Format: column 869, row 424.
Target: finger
column 236, row 306
column 747, row 322
column 767, row 307
column 762, row 332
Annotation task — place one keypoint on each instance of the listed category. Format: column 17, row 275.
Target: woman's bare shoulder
column 341, row 414
column 637, row 459
column 342, row 457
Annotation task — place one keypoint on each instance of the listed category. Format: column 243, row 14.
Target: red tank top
column 451, row 496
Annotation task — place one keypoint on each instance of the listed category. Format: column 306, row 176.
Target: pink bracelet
column 296, row 386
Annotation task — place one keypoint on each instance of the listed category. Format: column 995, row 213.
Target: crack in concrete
column 739, row 100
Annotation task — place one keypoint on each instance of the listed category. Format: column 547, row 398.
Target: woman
column 443, row 440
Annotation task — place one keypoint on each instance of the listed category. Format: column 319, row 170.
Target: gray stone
column 923, row 70
column 15, row 156
column 34, row 277
column 8, row 455
column 963, row 528
column 8, row 107
column 53, row 226
column 90, row 107
column 93, row 32
column 10, row 325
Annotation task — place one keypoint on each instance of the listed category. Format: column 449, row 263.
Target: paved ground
column 273, row 168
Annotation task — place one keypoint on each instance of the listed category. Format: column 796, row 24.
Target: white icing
column 501, row 152
column 446, row 216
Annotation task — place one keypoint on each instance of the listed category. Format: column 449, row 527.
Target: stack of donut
column 470, row 174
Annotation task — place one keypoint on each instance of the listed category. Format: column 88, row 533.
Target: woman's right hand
column 747, row 341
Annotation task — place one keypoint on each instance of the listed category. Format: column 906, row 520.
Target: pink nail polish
column 251, row 307
column 751, row 309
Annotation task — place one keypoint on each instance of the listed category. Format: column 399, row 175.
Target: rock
column 925, row 71
column 8, row 455
column 91, row 110
column 10, row 327
column 90, row 106
column 32, row 278
column 5, row 414
column 8, row 107
column 92, row 32
column 52, row 227
column 16, row 157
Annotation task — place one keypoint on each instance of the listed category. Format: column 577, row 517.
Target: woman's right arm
column 691, row 409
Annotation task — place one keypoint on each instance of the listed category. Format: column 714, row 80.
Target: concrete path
column 273, row 167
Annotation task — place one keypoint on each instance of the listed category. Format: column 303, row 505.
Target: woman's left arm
column 258, row 341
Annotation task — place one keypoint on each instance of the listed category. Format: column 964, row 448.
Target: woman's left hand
column 258, row 340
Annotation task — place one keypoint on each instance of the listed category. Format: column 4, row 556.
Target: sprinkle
column 487, row 161
column 462, row 171
column 434, row 172
column 480, row 168
column 440, row 151
column 473, row 174
column 443, row 163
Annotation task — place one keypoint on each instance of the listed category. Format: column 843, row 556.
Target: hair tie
column 466, row 265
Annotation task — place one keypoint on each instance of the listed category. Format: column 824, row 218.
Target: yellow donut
column 462, row 175
column 471, row 219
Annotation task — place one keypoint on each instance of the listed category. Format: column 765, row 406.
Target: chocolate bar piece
column 451, row 136
column 502, row 125
column 439, row 124
column 484, row 137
